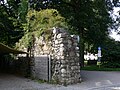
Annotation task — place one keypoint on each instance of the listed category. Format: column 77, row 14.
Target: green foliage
column 101, row 68
column 9, row 26
column 88, row 18
column 111, row 53
column 110, row 64
column 44, row 19
column 40, row 23
column 22, row 10
column 26, row 40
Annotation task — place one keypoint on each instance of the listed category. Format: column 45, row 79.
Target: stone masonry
column 66, row 64
column 64, row 53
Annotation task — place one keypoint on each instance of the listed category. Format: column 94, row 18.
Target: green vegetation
column 97, row 68
column 111, row 54
column 89, row 19
column 10, row 27
column 101, row 66
column 40, row 23
column 21, row 20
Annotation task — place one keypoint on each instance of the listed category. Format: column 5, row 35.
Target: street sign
column 99, row 48
column 99, row 51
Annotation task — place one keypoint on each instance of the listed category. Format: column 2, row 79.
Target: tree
column 88, row 18
column 23, row 10
column 38, row 23
column 6, row 25
column 10, row 25
column 111, row 53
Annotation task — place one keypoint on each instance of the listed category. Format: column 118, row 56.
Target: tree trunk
column 82, row 52
column 81, row 48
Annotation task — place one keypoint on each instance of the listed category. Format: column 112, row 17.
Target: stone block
column 69, row 42
column 62, row 49
column 61, row 35
column 72, row 53
column 75, row 44
column 55, row 30
column 61, row 45
column 63, row 62
column 69, row 45
column 77, row 54
column 56, row 42
column 76, row 48
column 63, row 70
column 62, row 57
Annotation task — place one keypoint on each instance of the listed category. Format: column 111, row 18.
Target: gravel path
column 92, row 80
column 11, row 82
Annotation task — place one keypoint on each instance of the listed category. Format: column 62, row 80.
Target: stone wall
column 65, row 64
column 64, row 51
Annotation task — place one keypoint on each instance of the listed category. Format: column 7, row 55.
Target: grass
column 44, row 81
column 97, row 68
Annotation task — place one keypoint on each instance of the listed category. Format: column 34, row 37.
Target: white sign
column 99, row 48
column 99, row 51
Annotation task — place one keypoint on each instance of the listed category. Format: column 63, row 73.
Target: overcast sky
column 114, row 34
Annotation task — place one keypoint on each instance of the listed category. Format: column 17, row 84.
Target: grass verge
column 97, row 68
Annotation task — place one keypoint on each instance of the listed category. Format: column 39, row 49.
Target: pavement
column 91, row 80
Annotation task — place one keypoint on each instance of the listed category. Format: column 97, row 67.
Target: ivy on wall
column 39, row 23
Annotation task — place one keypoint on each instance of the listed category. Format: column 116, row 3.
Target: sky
column 114, row 34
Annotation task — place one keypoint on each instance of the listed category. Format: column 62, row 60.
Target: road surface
column 91, row 80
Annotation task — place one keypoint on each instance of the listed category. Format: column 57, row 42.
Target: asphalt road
column 91, row 80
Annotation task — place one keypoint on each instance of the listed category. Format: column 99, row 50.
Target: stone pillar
column 65, row 64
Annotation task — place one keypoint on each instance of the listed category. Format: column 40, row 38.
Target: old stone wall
column 64, row 53
column 65, row 64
